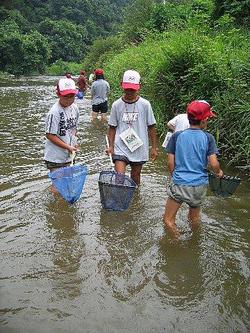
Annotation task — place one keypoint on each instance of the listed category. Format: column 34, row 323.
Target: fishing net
column 80, row 94
column 116, row 190
column 223, row 187
column 69, row 181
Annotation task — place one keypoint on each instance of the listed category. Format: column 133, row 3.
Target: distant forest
column 36, row 33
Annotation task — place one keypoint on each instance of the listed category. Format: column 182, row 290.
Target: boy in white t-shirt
column 178, row 123
column 131, row 123
column 60, row 127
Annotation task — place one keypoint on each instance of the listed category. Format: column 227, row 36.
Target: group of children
column 99, row 89
column 131, row 126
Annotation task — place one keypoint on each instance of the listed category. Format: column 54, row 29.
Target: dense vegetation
column 37, row 33
column 185, row 50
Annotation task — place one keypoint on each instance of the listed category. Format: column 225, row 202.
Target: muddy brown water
column 80, row 268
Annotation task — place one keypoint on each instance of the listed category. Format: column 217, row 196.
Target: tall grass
column 177, row 67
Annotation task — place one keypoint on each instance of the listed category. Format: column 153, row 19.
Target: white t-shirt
column 138, row 115
column 63, row 123
column 180, row 122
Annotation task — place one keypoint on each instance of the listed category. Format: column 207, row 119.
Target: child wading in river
column 61, row 126
column 189, row 153
column 131, row 123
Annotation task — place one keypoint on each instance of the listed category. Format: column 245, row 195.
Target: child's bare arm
column 57, row 141
column 153, row 138
column 111, row 139
column 215, row 165
column 170, row 160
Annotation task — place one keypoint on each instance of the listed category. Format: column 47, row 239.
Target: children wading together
column 132, row 127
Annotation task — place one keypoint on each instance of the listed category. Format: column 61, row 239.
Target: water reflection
column 67, row 248
column 130, row 263
column 179, row 279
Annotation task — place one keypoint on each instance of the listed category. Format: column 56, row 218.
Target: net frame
column 116, row 190
column 224, row 186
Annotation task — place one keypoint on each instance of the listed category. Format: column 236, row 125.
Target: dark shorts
column 191, row 195
column 52, row 165
column 126, row 160
column 103, row 107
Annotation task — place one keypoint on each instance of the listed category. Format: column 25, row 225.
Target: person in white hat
column 61, row 126
column 131, row 124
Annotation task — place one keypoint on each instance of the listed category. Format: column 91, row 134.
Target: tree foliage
column 66, row 30
column 239, row 9
column 66, row 41
column 22, row 53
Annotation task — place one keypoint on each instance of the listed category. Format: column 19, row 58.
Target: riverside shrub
column 177, row 67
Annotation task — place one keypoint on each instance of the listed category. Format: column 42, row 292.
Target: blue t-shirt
column 191, row 148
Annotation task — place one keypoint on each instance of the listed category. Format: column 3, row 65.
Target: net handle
column 110, row 157
column 72, row 155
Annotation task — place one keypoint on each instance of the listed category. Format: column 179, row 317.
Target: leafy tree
column 239, row 9
column 15, row 16
column 67, row 41
column 22, row 53
column 36, row 53
column 101, row 49
column 69, row 26
column 136, row 22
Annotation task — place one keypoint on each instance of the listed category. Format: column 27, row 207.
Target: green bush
column 61, row 67
column 102, row 50
column 190, row 65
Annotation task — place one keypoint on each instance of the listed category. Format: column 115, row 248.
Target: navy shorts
column 126, row 160
column 103, row 107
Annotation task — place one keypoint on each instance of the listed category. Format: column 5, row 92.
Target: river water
column 82, row 269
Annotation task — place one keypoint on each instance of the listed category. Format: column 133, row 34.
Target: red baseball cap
column 99, row 71
column 200, row 110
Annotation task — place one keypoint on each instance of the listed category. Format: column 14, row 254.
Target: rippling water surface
column 81, row 269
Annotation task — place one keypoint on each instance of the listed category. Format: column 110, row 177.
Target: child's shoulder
column 117, row 102
column 143, row 100
column 209, row 136
column 55, row 107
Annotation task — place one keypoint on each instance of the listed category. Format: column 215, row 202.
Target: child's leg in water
column 171, row 210
column 194, row 217
column 136, row 173
column 120, row 168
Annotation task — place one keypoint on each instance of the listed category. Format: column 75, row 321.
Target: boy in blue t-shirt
column 189, row 153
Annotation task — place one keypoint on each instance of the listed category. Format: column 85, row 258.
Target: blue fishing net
column 80, row 94
column 223, row 187
column 69, row 181
column 116, row 190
